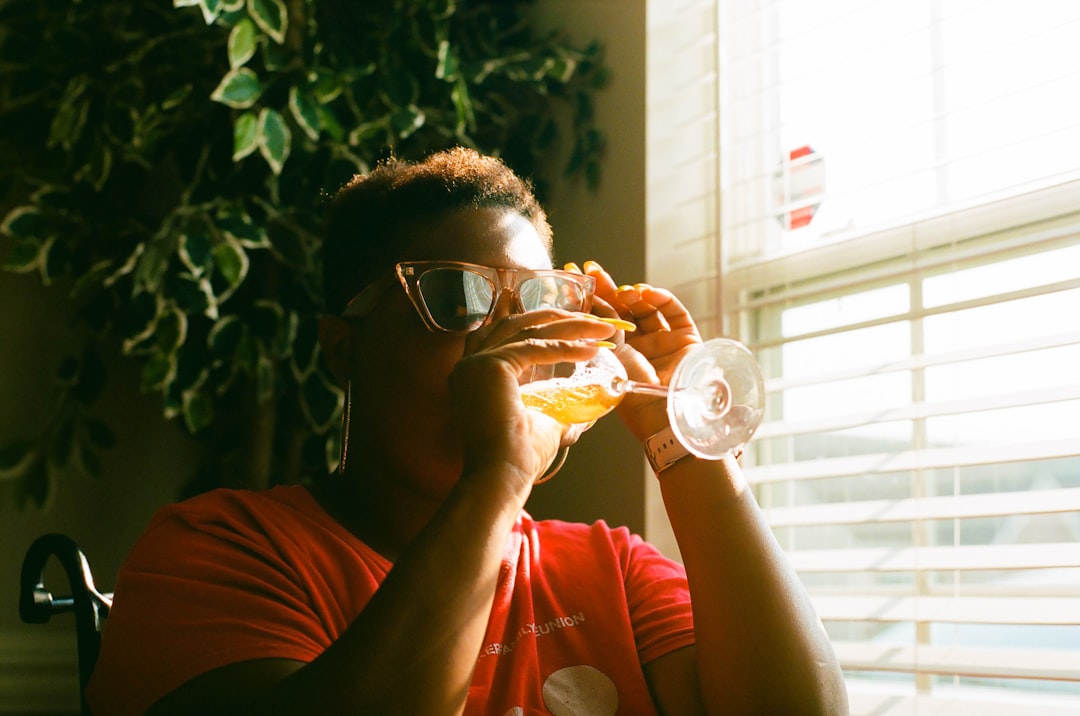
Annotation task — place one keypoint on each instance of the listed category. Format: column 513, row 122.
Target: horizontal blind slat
column 761, row 344
column 991, row 504
column 918, row 410
column 961, row 558
column 964, row 661
column 930, row 458
column 961, row 610
column 921, row 361
column 878, row 701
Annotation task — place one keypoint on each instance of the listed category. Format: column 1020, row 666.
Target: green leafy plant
column 167, row 166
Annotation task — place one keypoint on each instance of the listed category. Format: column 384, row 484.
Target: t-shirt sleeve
column 658, row 598
column 197, row 593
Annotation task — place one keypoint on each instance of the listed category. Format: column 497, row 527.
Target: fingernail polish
column 617, row 322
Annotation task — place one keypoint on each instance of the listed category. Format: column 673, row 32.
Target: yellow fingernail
column 624, row 288
column 639, row 287
column 603, row 344
column 617, row 322
column 572, row 267
column 591, row 266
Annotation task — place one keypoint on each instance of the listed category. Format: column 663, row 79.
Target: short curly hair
column 370, row 219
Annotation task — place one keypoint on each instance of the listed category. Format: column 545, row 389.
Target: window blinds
column 920, row 458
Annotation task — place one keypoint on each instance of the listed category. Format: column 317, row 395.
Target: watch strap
column 663, row 450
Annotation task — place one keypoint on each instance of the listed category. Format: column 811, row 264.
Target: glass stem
column 632, row 386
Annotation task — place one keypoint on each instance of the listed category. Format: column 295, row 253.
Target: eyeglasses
column 458, row 297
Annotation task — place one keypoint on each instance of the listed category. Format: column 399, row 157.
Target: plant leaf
column 239, row 227
column 24, row 222
column 70, row 118
column 329, row 121
column 447, row 66
column 224, row 337
column 24, row 256
column 406, row 120
column 61, row 444
column 245, row 135
column 192, row 295
column 34, row 485
column 240, row 88
column 305, row 349
column 127, row 267
column 170, row 331
column 276, row 57
column 195, row 251
column 275, row 141
column 243, row 41
column 198, row 411
column 267, row 322
column 177, row 96
column 15, row 457
column 305, row 111
column 232, row 264
column 326, row 87
column 271, row 17
column 99, row 434
column 289, row 247
column 52, row 260
column 247, row 351
column 87, row 458
column 210, row 8
column 158, row 371
column 320, row 401
column 153, row 261
column 96, row 171
column 463, row 105
column 91, row 378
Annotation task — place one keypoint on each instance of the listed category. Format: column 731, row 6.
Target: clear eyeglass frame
column 531, row 289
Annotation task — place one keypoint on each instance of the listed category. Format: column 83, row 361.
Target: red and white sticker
column 800, row 187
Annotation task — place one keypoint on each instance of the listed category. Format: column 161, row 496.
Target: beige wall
column 604, row 474
column 38, row 672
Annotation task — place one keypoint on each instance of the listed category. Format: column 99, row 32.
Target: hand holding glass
column 715, row 400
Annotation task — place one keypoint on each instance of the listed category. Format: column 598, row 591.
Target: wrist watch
column 663, row 450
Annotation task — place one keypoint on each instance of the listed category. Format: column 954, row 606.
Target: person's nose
column 506, row 304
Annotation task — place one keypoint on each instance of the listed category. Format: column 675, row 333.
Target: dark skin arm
column 760, row 647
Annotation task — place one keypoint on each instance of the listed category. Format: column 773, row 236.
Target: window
column 900, row 247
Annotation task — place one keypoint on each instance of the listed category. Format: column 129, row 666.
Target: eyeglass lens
column 460, row 300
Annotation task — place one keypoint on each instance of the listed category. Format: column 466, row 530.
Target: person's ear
column 335, row 342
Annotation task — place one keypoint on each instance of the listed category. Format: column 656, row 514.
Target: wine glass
column 715, row 399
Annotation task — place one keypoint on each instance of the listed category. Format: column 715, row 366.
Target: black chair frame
column 37, row 604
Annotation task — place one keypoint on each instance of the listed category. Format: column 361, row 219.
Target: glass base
column 716, row 399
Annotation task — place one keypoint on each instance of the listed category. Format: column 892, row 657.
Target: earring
column 346, row 416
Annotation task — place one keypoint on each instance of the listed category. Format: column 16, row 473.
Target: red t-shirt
column 234, row 575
